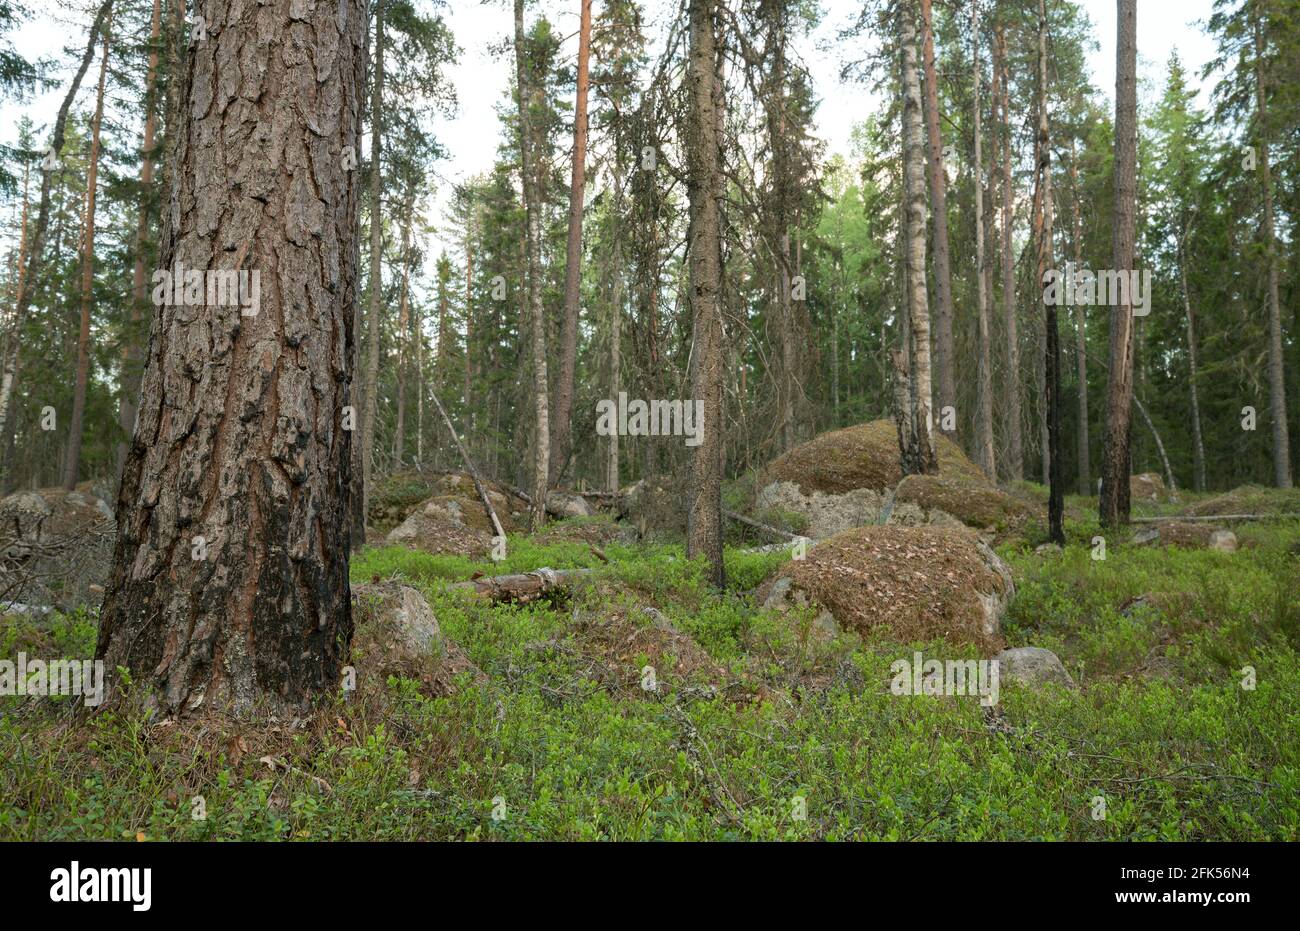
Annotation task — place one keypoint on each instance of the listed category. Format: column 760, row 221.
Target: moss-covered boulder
column 917, row 583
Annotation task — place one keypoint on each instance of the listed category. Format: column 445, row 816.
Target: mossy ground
column 570, row 746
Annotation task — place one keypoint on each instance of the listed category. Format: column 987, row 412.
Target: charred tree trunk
column 229, row 587
column 1116, row 451
column 1052, row 362
column 704, row 187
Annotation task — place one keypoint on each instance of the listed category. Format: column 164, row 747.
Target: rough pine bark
column 918, row 302
column 1116, row 451
column 229, row 587
column 944, row 346
column 562, row 440
column 403, row 326
column 72, row 460
column 704, row 188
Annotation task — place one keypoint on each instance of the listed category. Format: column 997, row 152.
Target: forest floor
column 756, row 728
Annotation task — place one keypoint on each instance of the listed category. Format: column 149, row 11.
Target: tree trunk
column 1014, row 460
column 371, row 390
column 918, row 304
column 1116, row 451
column 132, row 348
column 984, row 453
column 1052, row 362
column 944, row 347
column 1198, row 444
column 31, row 273
column 562, row 441
column 403, row 325
column 1276, row 359
column 704, row 187
column 72, row 462
column 229, row 587
column 529, row 95
column 1084, row 448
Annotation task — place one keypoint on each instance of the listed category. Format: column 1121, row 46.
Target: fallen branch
column 1189, row 517
column 522, row 587
column 759, row 525
column 469, row 466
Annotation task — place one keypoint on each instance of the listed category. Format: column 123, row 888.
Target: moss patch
column 864, row 456
column 975, row 503
column 919, row 583
column 1249, row 499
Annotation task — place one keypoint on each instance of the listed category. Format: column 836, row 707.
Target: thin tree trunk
column 944, row 346
column 1198, row 444
column 562, row 441
column 918, row 310
column 72, row 462
column 1014, row 460
column 704, row 187
column 984, row 410
column 403, row 325
column 132, row 343
column 1276, row 359
column 528, row 100
column 229, row 585
column 1081, row 336
column 371, row 391
column 34, row 258
column 1052, row 362
column 1116, row 450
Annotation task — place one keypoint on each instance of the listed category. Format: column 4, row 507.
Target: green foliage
column 1161, row 727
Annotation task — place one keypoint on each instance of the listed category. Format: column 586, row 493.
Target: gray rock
column 1225, row 541
column 563, row 504
column 1033, row 667
column 1143, row 537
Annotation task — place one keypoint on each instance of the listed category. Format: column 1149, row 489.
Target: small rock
column 1143, row 537
column 1047, row 549
column 1032, row 666
column 1225, row 541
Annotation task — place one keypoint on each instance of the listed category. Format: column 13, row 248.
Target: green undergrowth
column 758, row 729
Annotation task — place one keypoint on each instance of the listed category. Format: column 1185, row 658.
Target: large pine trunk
column 1114, row 503
column 704, row 186
column 229, row 586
